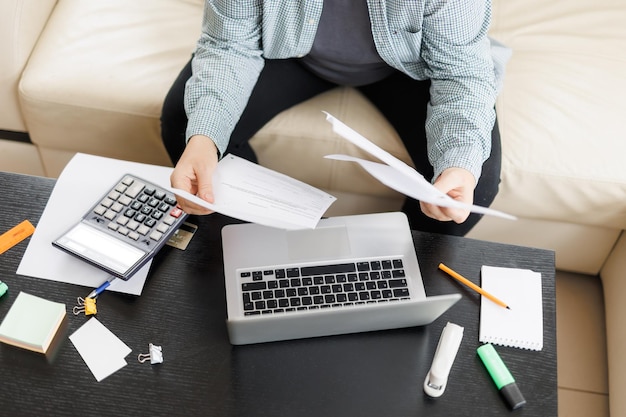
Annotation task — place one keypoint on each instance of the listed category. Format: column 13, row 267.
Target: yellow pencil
column 473, row 286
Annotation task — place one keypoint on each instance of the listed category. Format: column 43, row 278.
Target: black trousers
column 284, row 83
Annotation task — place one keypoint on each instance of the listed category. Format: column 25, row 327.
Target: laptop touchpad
column 322, row 242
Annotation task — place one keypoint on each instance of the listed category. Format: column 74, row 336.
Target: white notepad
column 520, row 326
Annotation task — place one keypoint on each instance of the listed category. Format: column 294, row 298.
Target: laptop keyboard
column 292, row 288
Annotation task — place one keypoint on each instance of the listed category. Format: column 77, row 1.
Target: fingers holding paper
column 194, row 172
column 451, row 198
column 459, row 185
column 414, row 185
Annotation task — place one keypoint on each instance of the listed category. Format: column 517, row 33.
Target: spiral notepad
column 520, row 326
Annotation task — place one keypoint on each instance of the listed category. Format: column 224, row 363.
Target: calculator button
column 143, row 230
column 109, row 215
column 100, row 210
column 176, row 212
column 125, row 200
column 106, row 202
column 122, row 220
column 156, row 235
column 134, row 190
column 117, row 207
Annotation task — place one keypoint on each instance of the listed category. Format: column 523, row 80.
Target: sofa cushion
column 99, row 74
column 296, row 141
column 559, row 112
column 21, row 22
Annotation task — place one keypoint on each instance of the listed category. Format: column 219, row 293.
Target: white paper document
column 83, row 181
column 102, row 351
column 398, row 175
column 242, row 190
column 250, row 192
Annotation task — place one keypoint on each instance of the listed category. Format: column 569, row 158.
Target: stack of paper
column 32, row 322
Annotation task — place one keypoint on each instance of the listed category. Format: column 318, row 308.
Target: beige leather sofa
column 90, row 76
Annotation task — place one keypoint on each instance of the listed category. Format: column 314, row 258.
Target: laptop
column 350, row 274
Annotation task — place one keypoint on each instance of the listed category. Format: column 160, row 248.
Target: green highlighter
column 501, row 376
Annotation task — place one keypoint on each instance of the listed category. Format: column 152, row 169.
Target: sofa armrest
column 21, row 22
column 613, row 276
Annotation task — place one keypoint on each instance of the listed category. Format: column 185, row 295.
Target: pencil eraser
column 3, row 288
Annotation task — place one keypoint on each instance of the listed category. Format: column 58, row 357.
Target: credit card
column 181, row 238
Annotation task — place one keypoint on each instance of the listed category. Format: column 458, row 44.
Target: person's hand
column 194, row 173
column 459, row 184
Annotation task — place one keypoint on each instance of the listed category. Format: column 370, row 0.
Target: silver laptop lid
column 334, row 240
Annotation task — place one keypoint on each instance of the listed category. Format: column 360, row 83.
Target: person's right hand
column 194, row 173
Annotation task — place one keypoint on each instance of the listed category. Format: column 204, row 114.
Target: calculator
column 125, row 228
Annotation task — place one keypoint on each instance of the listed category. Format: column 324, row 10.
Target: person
column 427, row 65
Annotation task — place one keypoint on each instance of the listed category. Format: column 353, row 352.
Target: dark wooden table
column 183, row 309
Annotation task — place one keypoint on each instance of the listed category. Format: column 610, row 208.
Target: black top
column 343, row 51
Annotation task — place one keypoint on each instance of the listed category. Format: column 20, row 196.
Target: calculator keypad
column 138, row 212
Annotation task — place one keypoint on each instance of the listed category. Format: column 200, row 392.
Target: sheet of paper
column 250, row 192
column 520, row 326
column 83, row 182
column 398, row 175
column 102, row 351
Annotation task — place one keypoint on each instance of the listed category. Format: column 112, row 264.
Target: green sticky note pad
column 32, row 322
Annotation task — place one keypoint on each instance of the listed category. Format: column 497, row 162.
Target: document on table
column 102, row 351
column 83, row 181
column 242, row 190
column 397, row 175
column 250, row 192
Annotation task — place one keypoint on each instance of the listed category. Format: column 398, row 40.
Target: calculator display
column 101, row 248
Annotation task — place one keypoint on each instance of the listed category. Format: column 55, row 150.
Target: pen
column 101, row 288
column 473, row 286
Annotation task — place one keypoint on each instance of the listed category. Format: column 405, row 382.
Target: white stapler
column 447, row 348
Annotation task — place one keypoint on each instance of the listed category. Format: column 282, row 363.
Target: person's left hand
column 459, row 184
